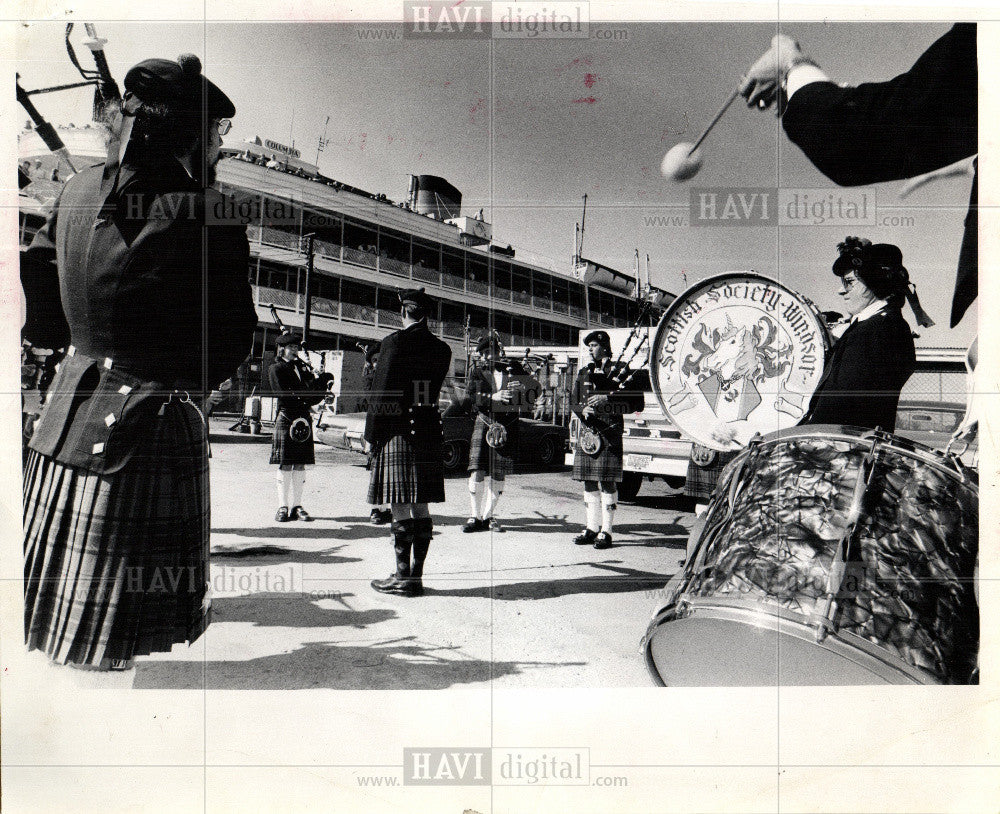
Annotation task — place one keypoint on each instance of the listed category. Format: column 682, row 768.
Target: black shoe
column 586, row 538
column 494, row 525
column 398, row 586
column 376, row 517
column 298, row 513
column 602, row 540
column 385, row 515
column 474, row 524
column 282, row 515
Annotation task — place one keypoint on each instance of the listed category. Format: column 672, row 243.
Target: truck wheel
column 629, row 487
column 453, row 451
column 547, row 451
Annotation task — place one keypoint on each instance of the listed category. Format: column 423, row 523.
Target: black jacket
column 609, row 419
column 867, row 368
column 922, row 120
column 152, row 283
column 482, row 386
column 295, row 387
column 412, row 365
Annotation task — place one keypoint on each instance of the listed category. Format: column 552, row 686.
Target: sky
column 524, row 128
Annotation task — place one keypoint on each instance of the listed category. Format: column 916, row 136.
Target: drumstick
column 683, row 160
column 722, row 110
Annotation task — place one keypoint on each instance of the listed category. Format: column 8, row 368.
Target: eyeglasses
column 225, row 125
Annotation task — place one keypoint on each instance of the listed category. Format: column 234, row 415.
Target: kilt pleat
column 701, row 480
column 116, row 565
column 401, row 475
column 606, row 466
column 497, row 463
column 285, row 451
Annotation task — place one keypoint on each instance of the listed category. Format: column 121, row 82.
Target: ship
column 332, row 257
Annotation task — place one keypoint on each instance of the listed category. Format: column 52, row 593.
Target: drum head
column 739, row 350
column 749, row 647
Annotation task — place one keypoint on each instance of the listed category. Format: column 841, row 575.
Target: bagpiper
column 500, row 391
column 297, row 389
column 600, row 400
column 160, row 311
column 403, row 427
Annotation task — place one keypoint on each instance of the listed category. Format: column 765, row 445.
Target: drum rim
column 654, row 367
column 845, row 432
column 767, row 616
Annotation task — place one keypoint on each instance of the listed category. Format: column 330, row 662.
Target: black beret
column 417, row 297
column 488, row 341
column 879, row 266
column 598, row 336
column 180, row 84
column 288, row 338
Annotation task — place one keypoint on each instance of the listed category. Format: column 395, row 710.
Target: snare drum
column 830, row 556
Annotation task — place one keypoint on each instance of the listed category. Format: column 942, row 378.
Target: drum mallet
column 683, row 160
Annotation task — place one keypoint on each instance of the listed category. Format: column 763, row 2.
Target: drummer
column 874, row 357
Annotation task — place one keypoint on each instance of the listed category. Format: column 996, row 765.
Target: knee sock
column 493, row 497
column 284, row 479
column 608, row 506
column 592, row 501
column 477, row 489
column 298, row 486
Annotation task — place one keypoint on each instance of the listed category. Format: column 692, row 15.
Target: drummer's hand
column 588, row 412
column 503, row 395
column 761, row 83
column 723, row 433
column 597, row 400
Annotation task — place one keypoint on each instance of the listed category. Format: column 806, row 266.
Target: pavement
column 293, row 608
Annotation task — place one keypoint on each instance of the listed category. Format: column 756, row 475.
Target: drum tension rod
column 822, row 617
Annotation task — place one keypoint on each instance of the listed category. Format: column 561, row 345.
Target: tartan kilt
column 701, row 480
column 401, row 474
column 285, row 451
column 605, row 466
column 117, row 566
column 494, row 462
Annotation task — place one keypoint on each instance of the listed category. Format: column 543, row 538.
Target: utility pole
column 308, row 295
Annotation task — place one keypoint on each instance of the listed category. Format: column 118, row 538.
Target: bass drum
column 830, row 556
column 738, row 353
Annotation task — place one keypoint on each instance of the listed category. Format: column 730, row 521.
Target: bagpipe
column 320, row 380
column 596, row 383
column 496, row 433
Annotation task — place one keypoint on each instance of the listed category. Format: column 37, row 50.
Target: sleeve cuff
column 802, row 75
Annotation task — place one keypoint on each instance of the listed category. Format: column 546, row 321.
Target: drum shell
column 906, row 610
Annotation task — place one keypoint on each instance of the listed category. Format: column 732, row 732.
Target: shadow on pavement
column 296, row 610
column 399, row 664
column 617, row 580
column 265, row 552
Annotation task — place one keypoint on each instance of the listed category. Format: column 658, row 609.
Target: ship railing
column 449, row 280
column 279, row 238
column 359, row 257
column 322, row 305
column 428, row 275
column 389, row 319
column 392, row 266
column 453, row 330
column 354, row 312
column 325, row 248
column 477, row 287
